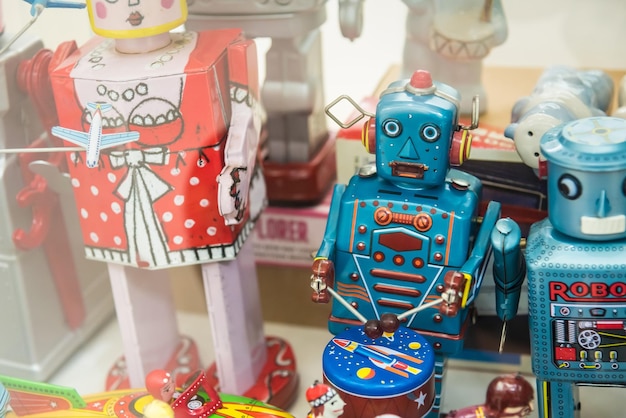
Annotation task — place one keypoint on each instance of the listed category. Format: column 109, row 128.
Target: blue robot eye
column 430, row 133
column 569, row 186
column 392, row 127
column 624, row 187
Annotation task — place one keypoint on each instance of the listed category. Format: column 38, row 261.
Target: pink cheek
column 101, row 10
column 167, row 3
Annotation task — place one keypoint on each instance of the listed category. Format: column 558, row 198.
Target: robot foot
column 182, row 364
column 277, row 383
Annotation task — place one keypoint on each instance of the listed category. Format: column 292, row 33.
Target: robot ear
column 368, row 135
column 460, row 148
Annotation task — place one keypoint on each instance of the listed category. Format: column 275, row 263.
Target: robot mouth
column 410, row 170
column 135, row 19
column 603, row 226
column 107, row 122
column 148, row 120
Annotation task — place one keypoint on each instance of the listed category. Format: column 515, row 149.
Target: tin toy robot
column 576, row 263
column 562, row 94
column 450, row 39
column 404, row 235
column 300, row 163
column 164, row 174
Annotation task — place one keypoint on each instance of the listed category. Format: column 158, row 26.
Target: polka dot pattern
column 178, row 195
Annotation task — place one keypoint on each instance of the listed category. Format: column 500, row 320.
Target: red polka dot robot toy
column 167, row 126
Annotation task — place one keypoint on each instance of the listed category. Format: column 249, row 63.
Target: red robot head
column 160, row 385
column 510, row 396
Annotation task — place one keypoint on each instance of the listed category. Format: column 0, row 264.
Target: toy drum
column 393, row 374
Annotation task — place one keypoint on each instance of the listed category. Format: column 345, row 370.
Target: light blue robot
column 576, row 262
column 405, row 233
column 562, row 94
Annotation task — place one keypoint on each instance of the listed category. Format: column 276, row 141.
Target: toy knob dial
column 383, row 216
column 422, row 222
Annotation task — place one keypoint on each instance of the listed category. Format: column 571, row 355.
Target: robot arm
column 239, row 161
column 351, row 18
column 472, row 268
column 509, row 268
column 323, row 269
column 240, row 150
column 462, row 286
column 498, row 19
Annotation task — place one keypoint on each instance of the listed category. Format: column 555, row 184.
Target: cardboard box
column 289, row 236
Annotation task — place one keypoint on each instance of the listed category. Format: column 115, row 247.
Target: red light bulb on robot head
column 421, row 79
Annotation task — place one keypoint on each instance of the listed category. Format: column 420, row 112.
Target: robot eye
column 392, row 127
column 624, row 187
column 569, row 186
column 430, row 133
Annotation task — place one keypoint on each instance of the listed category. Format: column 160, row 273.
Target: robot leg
column 440, row 374
column 557, row 399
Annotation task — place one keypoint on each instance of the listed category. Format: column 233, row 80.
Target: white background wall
column 582, row 33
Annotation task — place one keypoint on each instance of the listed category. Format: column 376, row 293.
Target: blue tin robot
column 406, row 233
column 576, row 263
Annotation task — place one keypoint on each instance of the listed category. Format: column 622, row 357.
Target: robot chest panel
column 569, row 271
column 577, row 296
column 410, row 233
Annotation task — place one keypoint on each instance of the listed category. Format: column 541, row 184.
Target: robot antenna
column 475, row 113
column 355, row 105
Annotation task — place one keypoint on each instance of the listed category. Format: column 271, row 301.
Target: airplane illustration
column 382, row 357
column 94, row 140
column 38, row 5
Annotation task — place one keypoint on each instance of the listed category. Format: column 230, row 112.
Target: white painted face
column 528, row 134
column 334, row 407
column 121, row 19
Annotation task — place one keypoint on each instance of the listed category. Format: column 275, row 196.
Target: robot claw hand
column 509, row 268
column 323, row 276
column 452, row 295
